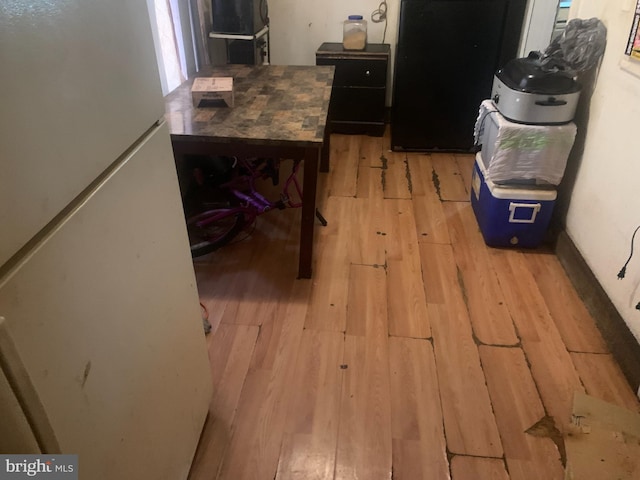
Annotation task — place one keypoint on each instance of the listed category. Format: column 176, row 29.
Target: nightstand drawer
column 357, row 104
column 357, row 73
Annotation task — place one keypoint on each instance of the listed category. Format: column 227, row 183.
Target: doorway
column 544, row 21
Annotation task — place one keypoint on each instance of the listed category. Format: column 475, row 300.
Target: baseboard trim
column 621, row 342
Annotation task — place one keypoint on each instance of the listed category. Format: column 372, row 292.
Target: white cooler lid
column 505, row 192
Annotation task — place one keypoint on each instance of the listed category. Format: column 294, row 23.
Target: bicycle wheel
column 205, row 237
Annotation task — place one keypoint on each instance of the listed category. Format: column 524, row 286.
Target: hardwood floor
column 415, row 352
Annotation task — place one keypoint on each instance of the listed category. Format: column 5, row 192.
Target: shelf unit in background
column 246, row 49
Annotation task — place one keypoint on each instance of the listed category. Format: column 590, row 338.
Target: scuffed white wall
column 605, row 205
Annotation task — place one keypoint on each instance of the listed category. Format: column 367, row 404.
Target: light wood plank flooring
column 415, row 352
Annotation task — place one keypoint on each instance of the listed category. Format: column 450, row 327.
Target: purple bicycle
column 236, row 203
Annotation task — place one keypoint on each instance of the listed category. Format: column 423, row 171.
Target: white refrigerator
column 102, row 349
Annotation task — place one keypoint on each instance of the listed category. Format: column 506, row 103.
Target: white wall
column 605, row 205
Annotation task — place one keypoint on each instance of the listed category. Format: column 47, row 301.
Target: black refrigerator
column 446, row 55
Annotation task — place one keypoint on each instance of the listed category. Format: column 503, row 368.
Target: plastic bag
column 516, row 153
column 578, row 49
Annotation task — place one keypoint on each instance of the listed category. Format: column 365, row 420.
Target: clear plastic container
column 354, row 33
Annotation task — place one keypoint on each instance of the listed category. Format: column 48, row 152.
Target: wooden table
column 279, row 112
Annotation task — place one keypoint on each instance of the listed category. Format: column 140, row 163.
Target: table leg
column 325, row 150
column 308, row 211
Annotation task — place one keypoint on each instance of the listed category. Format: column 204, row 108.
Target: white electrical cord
column 380, row 15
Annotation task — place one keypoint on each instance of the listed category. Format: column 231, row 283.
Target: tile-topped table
column 279, row 112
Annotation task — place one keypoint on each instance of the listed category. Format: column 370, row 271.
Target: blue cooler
column 510, row 216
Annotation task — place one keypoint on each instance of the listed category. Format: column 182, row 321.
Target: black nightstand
column 359, row 87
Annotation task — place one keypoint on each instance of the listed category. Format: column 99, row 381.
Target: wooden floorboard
column 328, row 304
column 366, row 244
column 465, row 167
column 414, row 352
column 602, row 378
column 431, row 223
column 518, row 407
column 255, row 301
column 575, row 324
column 230, row 350
column 488, row 311
column 367, row 312
column 219, row 276
column 450, row 182
column 372, row 151
column 311, row 431
column 255, row 446
column 345, row 155
column 551, row 364
column 477, row 468
column 364, row 440
column 419, row 444
column 369, row 183
column 407, row 305
column 469, row 425
column 395, row 176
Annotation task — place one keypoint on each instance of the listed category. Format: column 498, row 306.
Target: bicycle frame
column 252, row 203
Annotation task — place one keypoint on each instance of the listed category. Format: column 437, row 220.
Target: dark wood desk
column 279, row 112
